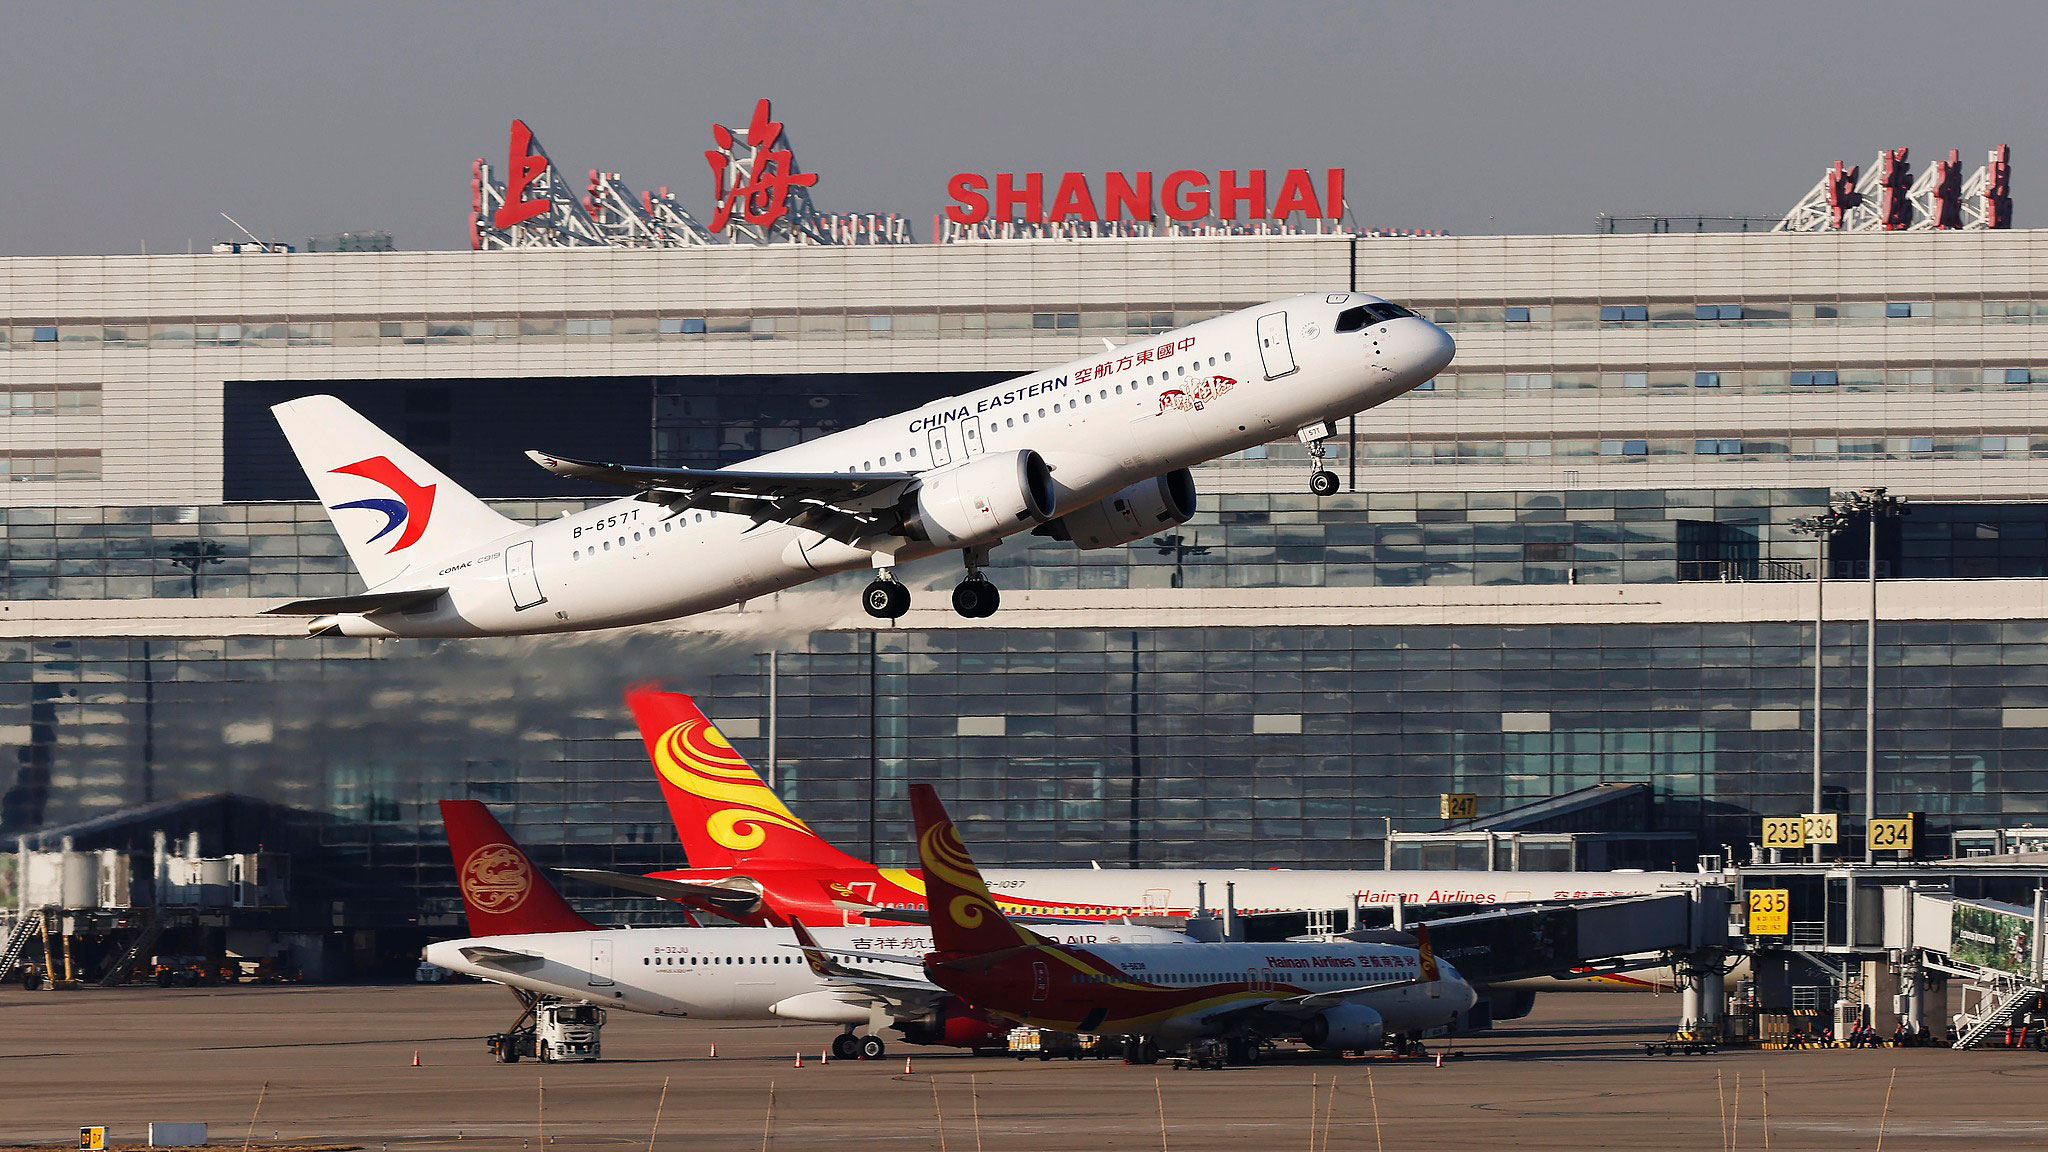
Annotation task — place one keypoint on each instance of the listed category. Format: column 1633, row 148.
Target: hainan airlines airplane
column 756, row 862
column 1095, row 451
column 525, row 936
column 1336, row 996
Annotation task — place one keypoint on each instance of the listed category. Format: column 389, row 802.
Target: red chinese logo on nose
column 760, row 195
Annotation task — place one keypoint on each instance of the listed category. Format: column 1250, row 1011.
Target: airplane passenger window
column 636, row 535
column 1226, row 357
column 607, row 545
column 1027, row 417
column 1011, row 423
column 1041, row 413
column 913, row 453
column 1119, row 389
column 1212, row 361
column 1105, row 393
column 899, row 457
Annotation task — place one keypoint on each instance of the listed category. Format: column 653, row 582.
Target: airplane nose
column 1434, row 347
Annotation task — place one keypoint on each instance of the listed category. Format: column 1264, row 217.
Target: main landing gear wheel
column 886, row 599
column 845, row 1046
column 976, row 598
column 1323, row 482
column 872, row 1048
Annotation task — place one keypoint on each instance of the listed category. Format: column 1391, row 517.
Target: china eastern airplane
column 1336, row 996
column 524, row 935
column 1094, row 451
column 756, row 862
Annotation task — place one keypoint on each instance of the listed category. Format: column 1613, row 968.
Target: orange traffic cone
column 799, row 1057
column 824, row 1055
column 1439, row 1059
column 714, row 1050
column 907, row 1069
column 415, row 1057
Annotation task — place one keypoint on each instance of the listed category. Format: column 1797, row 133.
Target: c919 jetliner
column 1095, row 451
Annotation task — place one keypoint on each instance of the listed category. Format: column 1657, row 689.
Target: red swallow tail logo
column 415, row 503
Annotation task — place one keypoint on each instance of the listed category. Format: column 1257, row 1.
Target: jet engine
column 955, row 1025
column 1344, row 1028
column 1147, row 506
column 981, row 501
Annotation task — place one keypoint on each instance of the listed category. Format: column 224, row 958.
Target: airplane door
column 600, row 962
column 1041, row 981
column 942, row 446
column 521, row 578
column 1274, row 350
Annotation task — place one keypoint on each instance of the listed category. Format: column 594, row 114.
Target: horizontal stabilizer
column 502, row 957
column 735, row 898
column 359, row 605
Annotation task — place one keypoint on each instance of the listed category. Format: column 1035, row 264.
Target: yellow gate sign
column 92, row 1139
column 1822, row 828
column 1770, row 912
column 1460, row 805
column 1784, row 831
column 1892, row 834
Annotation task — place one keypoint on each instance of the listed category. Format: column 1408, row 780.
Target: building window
column 1706, row 379
column 1898, row 310
column 1622, row 313
column 1624, row 447
column 1717, row 447
column 1717, row 312
column 1920, row 444
column 2018, row 376
column 1516, row 314
column 1635, row 379
column 1824, row 378
column 1056, row 321
column 46, row 334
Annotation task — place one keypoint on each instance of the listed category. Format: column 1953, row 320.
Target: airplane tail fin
column 1425, row 956
column 724, row 814
column 965, row 919
column 503, row 893
column 393, row 510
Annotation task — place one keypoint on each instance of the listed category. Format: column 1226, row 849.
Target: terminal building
column 1568, row 561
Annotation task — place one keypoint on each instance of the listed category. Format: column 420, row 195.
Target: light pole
column 1822, row 527
column 1874, row 507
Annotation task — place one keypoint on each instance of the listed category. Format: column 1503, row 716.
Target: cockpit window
column 1365, row 315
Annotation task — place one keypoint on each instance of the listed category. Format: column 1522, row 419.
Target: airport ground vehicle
column 561, row 1032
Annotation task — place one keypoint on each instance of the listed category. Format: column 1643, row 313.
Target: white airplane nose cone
column 1435, row 349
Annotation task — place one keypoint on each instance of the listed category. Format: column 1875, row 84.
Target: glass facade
column 1229, row 745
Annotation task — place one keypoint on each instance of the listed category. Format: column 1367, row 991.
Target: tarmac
column 301, row 1065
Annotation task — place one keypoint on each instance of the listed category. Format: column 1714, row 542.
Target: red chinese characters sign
column 522, row 168
column 1182, row 196
column 758, row 192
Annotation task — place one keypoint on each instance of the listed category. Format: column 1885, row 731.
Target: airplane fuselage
column 1100, row 423
column 713, row 973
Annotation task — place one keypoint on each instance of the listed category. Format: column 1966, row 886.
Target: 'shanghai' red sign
column 1181, row 196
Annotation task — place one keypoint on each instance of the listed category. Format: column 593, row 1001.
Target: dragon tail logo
column 696, row 758
column 411, row 511
column 496, row 879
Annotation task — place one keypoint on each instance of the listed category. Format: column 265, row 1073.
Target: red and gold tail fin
column 503, row 893
column 1425, row 956
column 724, row 814
column 965, row 919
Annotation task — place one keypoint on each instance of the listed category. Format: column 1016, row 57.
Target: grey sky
column 131, row 124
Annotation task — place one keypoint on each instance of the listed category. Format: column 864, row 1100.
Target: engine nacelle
column 955, row 1025
column 981, row 501
column 1144, row 507
column 1344, row 1028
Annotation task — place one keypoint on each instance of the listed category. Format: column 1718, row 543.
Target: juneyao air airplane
column 1336, row 996
column 1095, row 451
column 754, row 861
column 524, row 935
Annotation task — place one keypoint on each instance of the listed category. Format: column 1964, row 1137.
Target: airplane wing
column 899, row 996
column 924, row 916
column 843, row 505
column 365, row 602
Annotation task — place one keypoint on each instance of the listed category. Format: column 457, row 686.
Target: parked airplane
column 524, row 935
column 1095, row 451
column 1337, row 996
column 756, row 862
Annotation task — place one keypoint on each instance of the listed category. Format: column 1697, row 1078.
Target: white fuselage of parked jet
column 718, row 973
column 1088, row 429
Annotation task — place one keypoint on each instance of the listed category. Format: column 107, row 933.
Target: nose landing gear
column 1321, row 480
